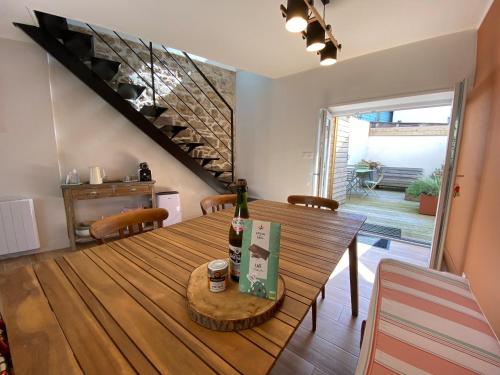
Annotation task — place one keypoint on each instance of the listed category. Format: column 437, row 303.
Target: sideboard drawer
column 134, row 190
column 81, row 194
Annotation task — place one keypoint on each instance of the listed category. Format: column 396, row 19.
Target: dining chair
column 125, row 223
column 314, row 202
column 215, row 203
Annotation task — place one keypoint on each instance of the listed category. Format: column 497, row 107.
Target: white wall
column 91, row 132
column 358, row 140
column 28, row 153
column 440, row 114
column 285, row 128
column 427, row 152
column 253, row 101
column 50, row 122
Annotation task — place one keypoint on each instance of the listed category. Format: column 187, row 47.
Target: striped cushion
column 423, row 321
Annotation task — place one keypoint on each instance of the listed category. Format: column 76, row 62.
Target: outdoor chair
column 351, row 181
column 372, row 184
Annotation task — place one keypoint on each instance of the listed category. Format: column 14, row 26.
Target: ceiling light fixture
column 328, row 55
column 296, row 16
column 315, row 36
column 302, row 16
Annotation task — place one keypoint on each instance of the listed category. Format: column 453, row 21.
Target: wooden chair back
column 215, row 203
column 314, row 202
column 125, row 224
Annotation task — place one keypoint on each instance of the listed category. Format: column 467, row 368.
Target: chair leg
column 323, row 292
column 363, row 326
column 314, row 316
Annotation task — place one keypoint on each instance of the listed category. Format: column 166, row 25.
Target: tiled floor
column 334, row 347
column 388, row 208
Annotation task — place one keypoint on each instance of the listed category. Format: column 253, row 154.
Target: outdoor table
column 120, row 307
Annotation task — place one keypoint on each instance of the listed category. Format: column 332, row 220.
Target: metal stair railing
column 150, row 85
column 223, row 100
column 173, row 91
column 186, row 89
column 196, row 84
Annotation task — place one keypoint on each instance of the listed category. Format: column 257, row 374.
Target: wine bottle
column 236, row 229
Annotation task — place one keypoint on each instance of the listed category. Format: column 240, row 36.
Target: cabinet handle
column 93, row 193
column 133, row 189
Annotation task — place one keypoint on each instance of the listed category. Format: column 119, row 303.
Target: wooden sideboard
column 72, row 193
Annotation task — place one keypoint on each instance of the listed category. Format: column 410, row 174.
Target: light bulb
column 328, row 61
column 296, row 24
column 315, row 47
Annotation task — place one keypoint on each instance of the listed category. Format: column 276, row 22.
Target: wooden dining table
column 120, row 308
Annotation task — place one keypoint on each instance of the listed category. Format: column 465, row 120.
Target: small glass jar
column 217, row 275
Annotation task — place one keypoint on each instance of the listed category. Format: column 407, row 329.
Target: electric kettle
column 97, row 175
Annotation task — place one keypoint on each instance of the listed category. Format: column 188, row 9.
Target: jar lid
column 217, row 265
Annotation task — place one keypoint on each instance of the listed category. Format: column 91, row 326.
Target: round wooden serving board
column 229, row 310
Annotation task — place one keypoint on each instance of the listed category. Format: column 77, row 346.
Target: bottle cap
column 218, row 265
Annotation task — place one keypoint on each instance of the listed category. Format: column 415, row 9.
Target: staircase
column 153, row 88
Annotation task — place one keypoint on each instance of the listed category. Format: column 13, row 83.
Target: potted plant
column 427, row 190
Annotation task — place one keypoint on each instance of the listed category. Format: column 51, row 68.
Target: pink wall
column 473, row 240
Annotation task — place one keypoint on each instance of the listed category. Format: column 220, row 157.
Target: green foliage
column 369, row 164
column 426, row 185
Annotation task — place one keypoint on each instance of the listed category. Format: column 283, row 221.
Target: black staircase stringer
column 79, row 69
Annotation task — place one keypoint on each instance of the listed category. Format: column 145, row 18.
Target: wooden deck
column 389, row 208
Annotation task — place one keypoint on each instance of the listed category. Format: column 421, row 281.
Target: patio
column 388, row 208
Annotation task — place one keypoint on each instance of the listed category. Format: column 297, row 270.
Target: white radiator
column 18, row 229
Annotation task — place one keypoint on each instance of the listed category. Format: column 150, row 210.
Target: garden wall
column 409, row 151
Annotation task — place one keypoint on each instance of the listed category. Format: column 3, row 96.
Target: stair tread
column 152, row 110
column 219, row 170
column 104, row 60
column 55, row 25
column 175, row 126
column 125, row 87
column 131, row 85
column 106, row 69
column 206, row 160
column 81, row 44
column 191, row 143
column 73, row 33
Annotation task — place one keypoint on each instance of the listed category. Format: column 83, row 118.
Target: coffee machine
column 144, row 172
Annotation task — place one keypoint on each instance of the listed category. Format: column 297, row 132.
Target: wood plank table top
column 120, row 308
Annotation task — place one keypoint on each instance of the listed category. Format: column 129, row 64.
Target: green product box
column 260, row 259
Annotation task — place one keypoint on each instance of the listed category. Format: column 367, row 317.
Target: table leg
column 314, row 316
column 353, row 274
column 70, row 217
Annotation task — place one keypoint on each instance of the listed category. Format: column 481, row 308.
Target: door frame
column 423, row 100
column 449, row 175
column 322, row 153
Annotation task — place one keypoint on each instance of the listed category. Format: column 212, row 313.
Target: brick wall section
column 414, row 130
